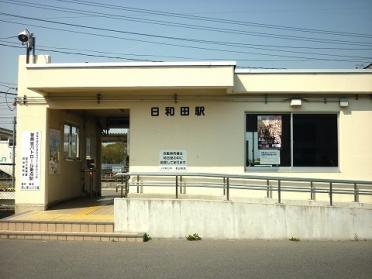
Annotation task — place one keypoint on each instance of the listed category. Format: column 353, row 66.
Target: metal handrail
column 331, row 188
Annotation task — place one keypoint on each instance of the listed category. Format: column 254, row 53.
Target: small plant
column 356, row 237
column 294, row 239
column 146, row 237
column 193, row 237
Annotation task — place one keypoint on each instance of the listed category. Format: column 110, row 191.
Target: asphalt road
column 184, row 259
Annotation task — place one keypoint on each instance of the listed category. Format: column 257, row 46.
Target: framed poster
column 30, row 160
column 269, row 130
column 54, row 150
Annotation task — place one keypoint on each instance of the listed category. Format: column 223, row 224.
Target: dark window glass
column 315, row 140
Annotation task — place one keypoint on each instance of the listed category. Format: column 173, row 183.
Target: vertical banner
column 269, row 129
column 30, row 156
column 54, row 150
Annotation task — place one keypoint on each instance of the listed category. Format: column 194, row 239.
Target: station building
column 205, row 117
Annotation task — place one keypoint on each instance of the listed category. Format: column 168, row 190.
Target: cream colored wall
column 68, row 182
column 277, row 83
column 215, row 142
column 190, row 76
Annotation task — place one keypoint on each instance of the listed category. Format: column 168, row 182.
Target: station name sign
column 182, row 111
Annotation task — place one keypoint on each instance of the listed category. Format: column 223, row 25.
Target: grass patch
column 193, row 237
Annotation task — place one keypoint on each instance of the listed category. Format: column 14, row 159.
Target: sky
column 317, row 34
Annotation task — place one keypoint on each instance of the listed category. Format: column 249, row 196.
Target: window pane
column 66, row 140
column 74, row 142
column 315, row 140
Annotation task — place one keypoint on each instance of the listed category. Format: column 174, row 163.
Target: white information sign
column 269, row 157
column 173, row 160
column 30, row 176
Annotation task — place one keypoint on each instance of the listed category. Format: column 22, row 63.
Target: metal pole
column 312, row 193
column 330, row 194
column 267, row 188
column 356, row 193
column 180, row 184
column 279, row 192
column 13, row 151
column 224, row 186
column 137, row 184
column 228, row 188
column 176, row 186
column 121, row 189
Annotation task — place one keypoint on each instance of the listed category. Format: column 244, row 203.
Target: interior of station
column 75, row 163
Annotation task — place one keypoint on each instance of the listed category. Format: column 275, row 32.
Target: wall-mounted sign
column 183, row 111
column 269, row 157
column 54, row 150
column 173, row 160
column 30, row 156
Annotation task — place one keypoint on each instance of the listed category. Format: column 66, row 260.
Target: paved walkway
column 101, row 210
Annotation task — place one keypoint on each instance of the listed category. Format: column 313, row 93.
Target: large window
column 71, row 142
column 286, row 140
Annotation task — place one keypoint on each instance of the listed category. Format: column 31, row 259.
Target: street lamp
column 27, row 39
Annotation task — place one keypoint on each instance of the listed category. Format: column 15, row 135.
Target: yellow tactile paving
column 95, row 212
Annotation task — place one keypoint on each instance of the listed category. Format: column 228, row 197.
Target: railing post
column 181, row 191
column 137, row 184
column 279, row 192
column 312, row 192
column 356, row 193
column 228, row 188
column 176, row 186
column 268, row 189
column 330, row 194
column 224, row 186
column 121, row 188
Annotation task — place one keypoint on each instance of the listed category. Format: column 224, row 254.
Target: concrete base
column 163, row 218
column 25, row 207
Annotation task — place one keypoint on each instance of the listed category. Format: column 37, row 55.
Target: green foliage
column 294, row 239
column 113, row 153
column 193, row 237
column 146, row 237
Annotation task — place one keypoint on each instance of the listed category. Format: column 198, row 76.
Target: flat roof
column 131, row 64
column 302, row 71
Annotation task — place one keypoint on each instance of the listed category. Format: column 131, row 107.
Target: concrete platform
column 80, row 210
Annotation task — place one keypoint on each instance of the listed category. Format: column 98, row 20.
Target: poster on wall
column 30, row 160
column 269, row 130
column 173, row 160
column 54, row 150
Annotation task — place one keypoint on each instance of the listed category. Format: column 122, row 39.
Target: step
column 57, row 226
column 93, row 236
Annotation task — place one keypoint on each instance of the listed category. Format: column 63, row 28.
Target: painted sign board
column 173, row 160
column 30, row 160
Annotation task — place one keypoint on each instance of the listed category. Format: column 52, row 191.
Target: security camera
column 24, row 36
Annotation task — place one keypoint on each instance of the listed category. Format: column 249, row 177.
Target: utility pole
column 13, row 148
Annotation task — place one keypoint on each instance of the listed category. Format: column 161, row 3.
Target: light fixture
column 27, row 39
column 296, row 102
column 344, row 103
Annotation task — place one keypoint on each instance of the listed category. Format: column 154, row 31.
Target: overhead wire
column 164, row 23
column 270, row 35
column 129, row 59
column 213, row 19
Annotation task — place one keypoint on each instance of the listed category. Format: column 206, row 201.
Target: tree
column 113, row 153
